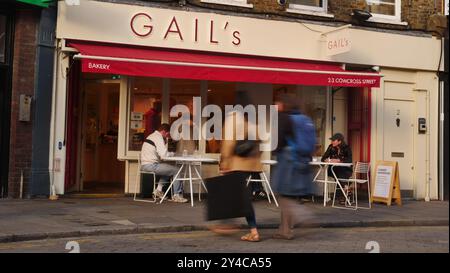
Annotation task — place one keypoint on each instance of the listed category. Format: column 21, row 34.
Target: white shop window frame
column 383, row 18
column 236, row 3
column 310, row 9
column 124, row 152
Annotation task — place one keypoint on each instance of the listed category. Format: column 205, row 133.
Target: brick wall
column 415, row 12
column 23, row 82
column 418, row 12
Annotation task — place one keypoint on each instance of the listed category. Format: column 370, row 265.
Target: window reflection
column 385, row 7
column 182, row 92
column 2, row 38
column 145, row 109
column 313, row 102
column 220, row 94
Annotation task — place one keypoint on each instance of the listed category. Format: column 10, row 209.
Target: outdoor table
column 188, row 163
column 324, row 166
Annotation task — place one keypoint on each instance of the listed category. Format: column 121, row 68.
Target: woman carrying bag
column 242, row 157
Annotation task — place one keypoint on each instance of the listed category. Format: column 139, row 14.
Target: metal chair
column 266, row 186
column 138, row 179
column 361, row 168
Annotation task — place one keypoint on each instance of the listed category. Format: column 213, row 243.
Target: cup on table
column 185, row 153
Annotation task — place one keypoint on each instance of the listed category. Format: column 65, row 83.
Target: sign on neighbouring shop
column 337, row 42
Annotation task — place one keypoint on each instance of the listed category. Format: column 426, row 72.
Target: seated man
column 153, row 149
column 339, row 151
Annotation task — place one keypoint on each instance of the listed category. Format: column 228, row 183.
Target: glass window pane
column 312, row 3
column 182, row 92
column 313, row 103
column 145, row 109
column 220, row 94
column 2, row 38
column 385, row 7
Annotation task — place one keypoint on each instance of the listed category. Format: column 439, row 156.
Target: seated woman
column 339, row 151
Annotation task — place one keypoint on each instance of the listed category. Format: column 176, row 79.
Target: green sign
column 41, row 3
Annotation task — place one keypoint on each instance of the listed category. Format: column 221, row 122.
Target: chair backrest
column 362, row 168
column 139, row 161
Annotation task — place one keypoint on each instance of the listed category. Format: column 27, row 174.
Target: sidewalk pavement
column 22, row 220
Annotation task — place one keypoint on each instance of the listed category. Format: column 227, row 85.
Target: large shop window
column 220, row 94
column 145, row 109
column 182, row 92
column 310, row 5
column 150, row 103
column 385, row 9
column 313, row 103
column 2, row 38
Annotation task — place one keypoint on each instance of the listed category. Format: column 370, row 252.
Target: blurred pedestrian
column 292, row 175
column 242, row 156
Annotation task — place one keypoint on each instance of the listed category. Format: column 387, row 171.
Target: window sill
column 228, row 3
column 312, row 13
column 386, row 21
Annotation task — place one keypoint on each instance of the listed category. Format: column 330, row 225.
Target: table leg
column 325, row 187
column 315, row 177
column 190, row 185
column 340, row 187
column 201, row 180
column 171, row 183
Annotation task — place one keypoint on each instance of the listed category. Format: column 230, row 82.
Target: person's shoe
column 158, row 194
column 179, row 199
column 262, row 195
column 251, row 237
column 259, row 195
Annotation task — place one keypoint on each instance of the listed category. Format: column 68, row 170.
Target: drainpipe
column 21, row 185
column 427, row 151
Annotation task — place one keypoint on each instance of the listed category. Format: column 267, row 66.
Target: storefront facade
column 124, row 60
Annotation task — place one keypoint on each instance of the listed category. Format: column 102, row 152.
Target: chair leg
column 334, row 195
column 264, row 185
column 248, row 180
column 138, row 179
column 270, row 189
column 354, row 195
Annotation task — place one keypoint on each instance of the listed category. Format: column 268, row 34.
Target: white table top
column 341, row 164
column 269, row 162
column 273, row 162
column 190, row 159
